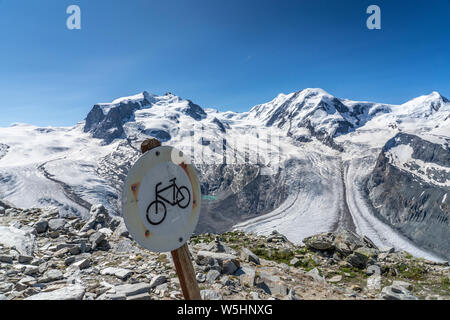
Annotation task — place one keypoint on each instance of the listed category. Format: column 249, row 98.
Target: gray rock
column 51, row 275
column 96, row 238
column 6, row 287
column 210, row 295
column 227, row 262
column 158, row 280
column 68, row 261
column 358, row 260
column 131, row 289
column 246, row 276
column 6, row 258
column 61, row 252
column 373, row 269
column 74, row 292
column 121, row 230
column 291, row 296
column 271, row 284
column 335, row 279
column 41, row 226
column 255, row 295
column 56, row 224
column 215, row 246
column 31, row 270
column 374, row 282
column 229, row 266
column 23, row 242
column 25, row 259
column 212, row 276
column 404, row 284
column 346, row 242
column 397, row 293
column 75, row 250
column 315, row 274
column 323, row 241
column 99, row 218
column 215, row 255
column 140, row 297
column 249, row 256
column 120, row 273
column 295, row 262
column 226, row 281
column 112, row 296
column 82, row 264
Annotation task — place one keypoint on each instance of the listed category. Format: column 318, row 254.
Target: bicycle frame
column 175, row 188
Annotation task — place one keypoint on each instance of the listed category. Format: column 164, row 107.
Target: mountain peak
column 314, row 91
column 426, row 104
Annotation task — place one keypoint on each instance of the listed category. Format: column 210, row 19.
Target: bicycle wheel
column 185, row 196
column 156, row 212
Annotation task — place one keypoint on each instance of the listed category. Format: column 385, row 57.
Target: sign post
column 161, row 207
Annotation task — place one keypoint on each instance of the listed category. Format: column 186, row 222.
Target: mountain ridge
column 302, row 174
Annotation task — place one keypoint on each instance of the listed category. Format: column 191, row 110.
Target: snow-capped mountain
column 299, row 164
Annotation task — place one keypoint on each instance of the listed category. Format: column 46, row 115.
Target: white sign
column 161, row 200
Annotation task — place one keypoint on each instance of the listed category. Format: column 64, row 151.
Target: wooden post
column 181, row 257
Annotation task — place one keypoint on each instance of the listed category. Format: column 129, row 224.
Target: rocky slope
column 409, row 189
column 46, row 257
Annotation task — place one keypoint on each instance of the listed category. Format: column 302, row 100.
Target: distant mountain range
column 304, row 163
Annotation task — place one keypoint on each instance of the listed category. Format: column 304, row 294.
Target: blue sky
column 228, row 54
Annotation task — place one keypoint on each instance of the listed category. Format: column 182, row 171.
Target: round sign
column 161, row 200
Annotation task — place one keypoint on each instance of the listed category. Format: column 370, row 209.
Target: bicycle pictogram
column 157, row 210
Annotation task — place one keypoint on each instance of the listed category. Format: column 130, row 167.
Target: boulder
column 346, row 242
column 246, row 275
column 315, row 274
column 41, row 226
column 158, row 280
column 404, row 284
column 25, row 259
column 23, row 242
column 74, row 292
column 397, row 293
column 227, row 262
column 373, row 269
column 82, row 264
column 128, row 290
column 335, row 279
column 321, row 242
column 56, row 224
column 120, row 273
column 271, row 284
column 51, row 275
column 212, row 276
column 361, row 256
column 249, row 256
column 374, row 282
column 229, row 266
column 99, row 218
column 6, row 258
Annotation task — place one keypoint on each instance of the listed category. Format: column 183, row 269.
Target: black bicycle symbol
column 157, row 211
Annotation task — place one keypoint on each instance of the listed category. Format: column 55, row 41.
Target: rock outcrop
column 409, row 189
